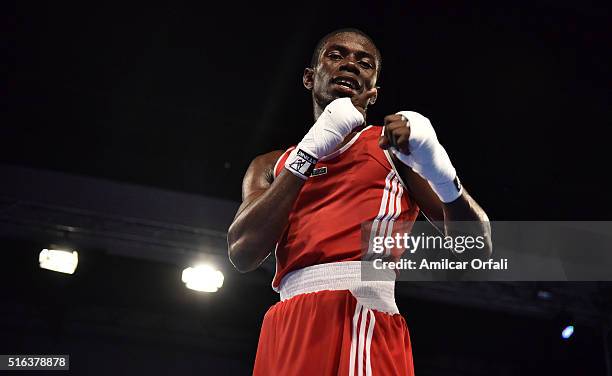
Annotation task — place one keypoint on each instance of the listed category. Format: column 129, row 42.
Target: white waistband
column 378, row 295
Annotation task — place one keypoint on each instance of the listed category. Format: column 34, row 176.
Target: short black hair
column 321, row 43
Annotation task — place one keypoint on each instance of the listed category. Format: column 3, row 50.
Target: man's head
column 345, row 62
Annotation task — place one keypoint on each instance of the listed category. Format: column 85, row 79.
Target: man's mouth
column 348, row 83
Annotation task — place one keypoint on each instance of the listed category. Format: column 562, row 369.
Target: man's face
column 347, row 66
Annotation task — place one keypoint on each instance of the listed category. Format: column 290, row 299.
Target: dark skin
column 267, row 201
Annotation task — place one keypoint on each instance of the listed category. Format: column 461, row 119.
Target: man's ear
column 373, row 98
column 308, row 78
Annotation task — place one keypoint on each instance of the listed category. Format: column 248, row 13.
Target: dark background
column 182, row 96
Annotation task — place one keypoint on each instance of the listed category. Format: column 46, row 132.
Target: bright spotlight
column 59, row 260
column 567, row 332
column 203, row 278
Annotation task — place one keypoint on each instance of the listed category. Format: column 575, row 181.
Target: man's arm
column 460, row 214
column 266, row 203
column 453, row 215
column 463, row 208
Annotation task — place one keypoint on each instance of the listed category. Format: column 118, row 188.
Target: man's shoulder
column 263, row 165
column 267, row 159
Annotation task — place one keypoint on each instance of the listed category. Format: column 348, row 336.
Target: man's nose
column 349, row 65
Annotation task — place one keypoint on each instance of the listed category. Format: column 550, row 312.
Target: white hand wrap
column 428, row 158
column 338, row 119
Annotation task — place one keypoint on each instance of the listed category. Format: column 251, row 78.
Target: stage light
column 567, row 332
column 59, row 260
column 203, row 278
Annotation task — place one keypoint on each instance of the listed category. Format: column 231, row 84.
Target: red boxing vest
column 355, row 184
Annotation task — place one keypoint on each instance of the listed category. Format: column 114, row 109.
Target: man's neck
column 317, row 110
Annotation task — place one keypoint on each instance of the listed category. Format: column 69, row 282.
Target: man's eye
column 366, row 65
column 335, row 56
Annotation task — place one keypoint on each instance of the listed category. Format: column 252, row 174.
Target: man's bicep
column 258, row 177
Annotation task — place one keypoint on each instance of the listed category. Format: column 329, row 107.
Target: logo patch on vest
column 319, row 171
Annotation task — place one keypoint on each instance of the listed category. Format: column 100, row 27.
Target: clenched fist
column 412, row 139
